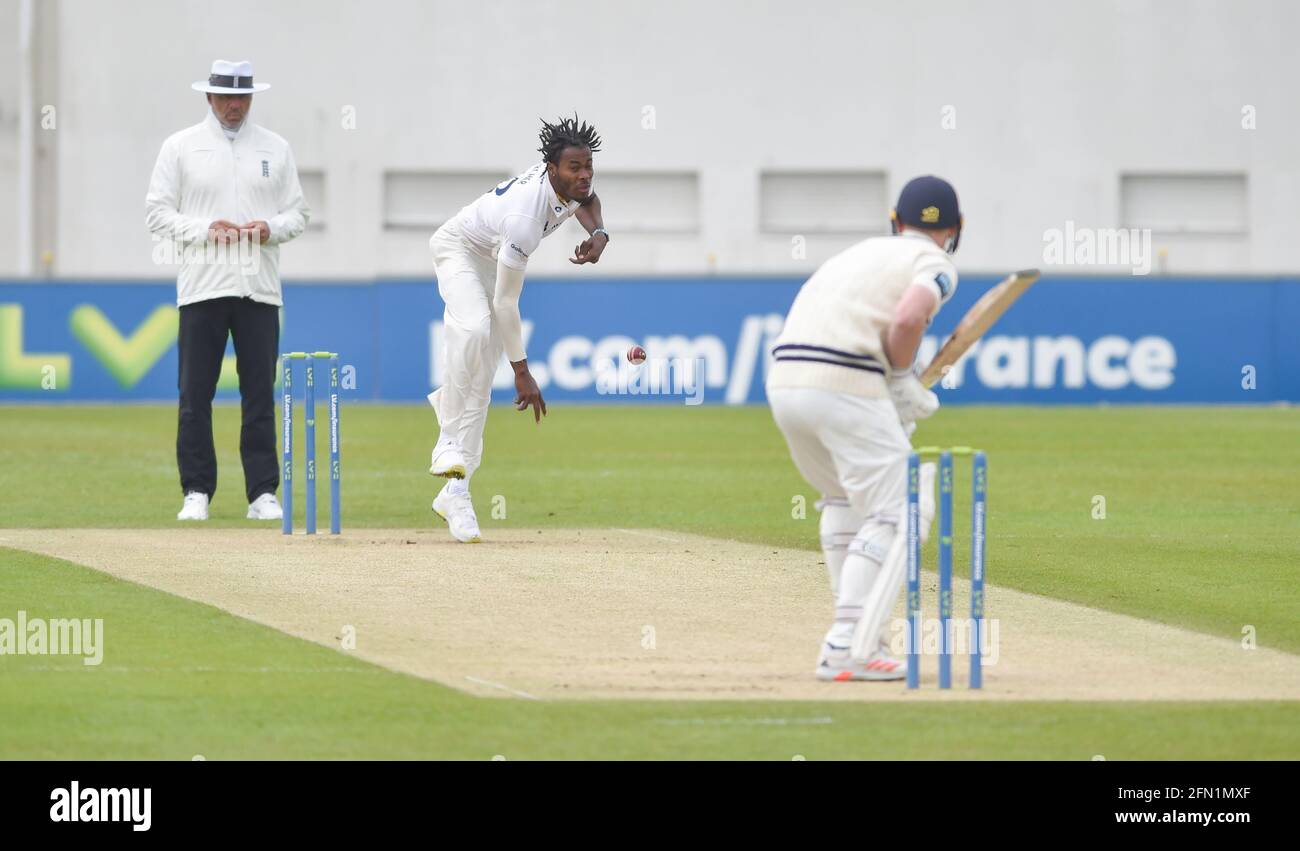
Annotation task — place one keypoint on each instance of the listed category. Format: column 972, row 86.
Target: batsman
column 845, row 395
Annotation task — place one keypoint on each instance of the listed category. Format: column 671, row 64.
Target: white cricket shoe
column 458, row 511
column 447, row 462
column 265, row 507
column 195, row 507
column 837, row 664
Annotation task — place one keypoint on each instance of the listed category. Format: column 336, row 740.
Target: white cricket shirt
column 509, row 222
column 201, row 176
column 833, row 334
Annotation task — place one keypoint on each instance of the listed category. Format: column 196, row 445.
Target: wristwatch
column 602, row 232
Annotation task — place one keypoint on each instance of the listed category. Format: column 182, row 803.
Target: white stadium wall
column 9, row 91
column 1042, row 114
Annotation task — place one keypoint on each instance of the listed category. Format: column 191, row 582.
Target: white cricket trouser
column 471, row 346
column 846, row 446
column 854, row 451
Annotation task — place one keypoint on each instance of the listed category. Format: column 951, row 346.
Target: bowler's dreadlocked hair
column 566, row 133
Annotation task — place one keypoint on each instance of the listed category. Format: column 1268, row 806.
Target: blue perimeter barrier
column 1068, row 340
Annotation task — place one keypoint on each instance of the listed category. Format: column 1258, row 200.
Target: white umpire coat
column 201, row 176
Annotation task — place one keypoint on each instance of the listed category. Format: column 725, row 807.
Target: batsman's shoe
column 195, row 507
column 458, row 511
column 265, row 507
column 447, row 463
column 838, row 665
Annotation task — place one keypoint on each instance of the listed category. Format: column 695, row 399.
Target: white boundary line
column 185, row 669
column 749, row 722
column 505, row 688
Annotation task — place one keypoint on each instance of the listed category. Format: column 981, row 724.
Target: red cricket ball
column 636, row 355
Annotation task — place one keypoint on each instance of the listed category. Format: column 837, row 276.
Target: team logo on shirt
column 930, row 215
column 945, row 285
column 266, row 168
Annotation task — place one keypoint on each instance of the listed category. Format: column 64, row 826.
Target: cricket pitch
column 634, row 613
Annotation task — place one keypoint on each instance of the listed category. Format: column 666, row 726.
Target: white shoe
column 458, row 511
column 447, row 462
column 195, row 507
column 838, row 665
column 265, row 507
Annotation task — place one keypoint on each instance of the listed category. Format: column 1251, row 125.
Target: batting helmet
column 929, row 203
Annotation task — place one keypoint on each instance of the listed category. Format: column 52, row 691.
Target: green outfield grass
column 1200, row 530
column 185, row 679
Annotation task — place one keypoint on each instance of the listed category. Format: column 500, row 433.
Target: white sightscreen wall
column 1034, row 110
column 824, row 202
column 658, row 202
column 314, row 192
column 652, row 202
column 1186, row 203
column 422, row 201
column 8, row 136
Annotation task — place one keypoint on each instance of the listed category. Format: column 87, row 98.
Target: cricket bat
column 977, row 321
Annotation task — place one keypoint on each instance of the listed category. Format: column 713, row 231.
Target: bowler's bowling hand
column 529, row 395
column 590, row 250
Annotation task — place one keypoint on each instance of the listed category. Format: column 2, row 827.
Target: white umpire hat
column 230, row 78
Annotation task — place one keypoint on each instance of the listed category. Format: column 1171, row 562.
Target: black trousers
column 204, row 328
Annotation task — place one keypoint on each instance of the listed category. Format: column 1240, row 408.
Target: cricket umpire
column 225, row 193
